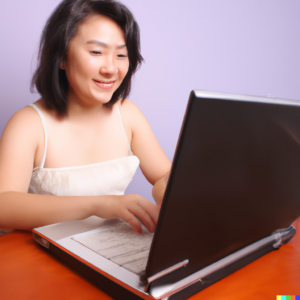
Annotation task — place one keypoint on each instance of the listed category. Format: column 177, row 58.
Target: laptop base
column 179, row 290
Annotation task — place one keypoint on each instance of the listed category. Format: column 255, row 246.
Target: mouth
column 104, row 84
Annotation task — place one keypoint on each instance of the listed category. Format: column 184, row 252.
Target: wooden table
column 27, row 271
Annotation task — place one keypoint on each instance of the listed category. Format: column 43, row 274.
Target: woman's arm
column 159, row 189
column 22, row 139
column 26, row 211
column 153, row 161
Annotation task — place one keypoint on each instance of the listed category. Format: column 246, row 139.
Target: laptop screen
column 235, row 179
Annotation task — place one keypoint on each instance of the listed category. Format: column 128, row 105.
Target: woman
column 83, row 140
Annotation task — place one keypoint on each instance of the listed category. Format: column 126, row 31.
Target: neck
column 81, row 109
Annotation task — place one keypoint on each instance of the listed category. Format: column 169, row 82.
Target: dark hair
column 51, row 81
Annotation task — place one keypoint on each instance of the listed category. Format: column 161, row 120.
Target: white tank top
column 105, row 178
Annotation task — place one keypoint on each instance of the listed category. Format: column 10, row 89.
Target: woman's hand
column 129, row 207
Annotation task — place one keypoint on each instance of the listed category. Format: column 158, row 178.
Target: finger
column 133, row 221
column 151, row 208
column 143, row 215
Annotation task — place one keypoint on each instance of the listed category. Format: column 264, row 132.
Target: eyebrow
column 104, row 44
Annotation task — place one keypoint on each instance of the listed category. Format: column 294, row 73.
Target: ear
column 62, row 65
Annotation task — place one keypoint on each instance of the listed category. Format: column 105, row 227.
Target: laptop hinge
column 164, row 272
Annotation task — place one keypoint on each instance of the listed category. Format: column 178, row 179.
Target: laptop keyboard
column 119, row 243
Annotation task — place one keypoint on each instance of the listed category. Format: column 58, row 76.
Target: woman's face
column 97, row 61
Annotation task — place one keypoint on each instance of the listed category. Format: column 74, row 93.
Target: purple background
column 247, row 47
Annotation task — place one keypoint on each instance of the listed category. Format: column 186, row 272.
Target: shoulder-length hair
column 51, row 81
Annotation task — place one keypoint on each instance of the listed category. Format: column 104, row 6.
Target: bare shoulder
column 131, row 114
column 24, row 121
column 24, row 130
column 129, row 107
column 27, row 113
column 19, row 144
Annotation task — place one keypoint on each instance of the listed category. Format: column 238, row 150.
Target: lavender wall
column 248, row 47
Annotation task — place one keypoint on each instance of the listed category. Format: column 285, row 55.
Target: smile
column 104, row 84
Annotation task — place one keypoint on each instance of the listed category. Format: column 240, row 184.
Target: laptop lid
column 235, row 179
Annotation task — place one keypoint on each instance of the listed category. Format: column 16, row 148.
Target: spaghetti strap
column 124, row 129
column 45, row 131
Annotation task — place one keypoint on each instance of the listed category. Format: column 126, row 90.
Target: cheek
column 123, row 69
column 85, row 66
column 80, row 69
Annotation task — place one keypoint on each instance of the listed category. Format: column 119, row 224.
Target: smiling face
column 97, row 61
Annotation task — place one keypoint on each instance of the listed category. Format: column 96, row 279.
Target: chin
column 101, row 96
column 103, row 100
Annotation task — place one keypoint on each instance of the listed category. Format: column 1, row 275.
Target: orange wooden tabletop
column 27, row 271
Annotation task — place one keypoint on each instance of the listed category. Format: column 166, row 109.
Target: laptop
column 232, row 195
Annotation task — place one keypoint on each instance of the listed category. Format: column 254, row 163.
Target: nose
column 108, row 67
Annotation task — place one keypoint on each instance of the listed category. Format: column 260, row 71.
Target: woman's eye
column 95, row 52
column 122, row 55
